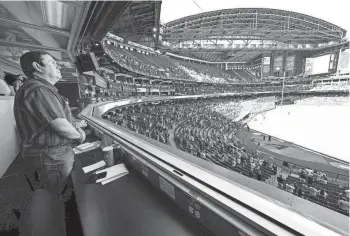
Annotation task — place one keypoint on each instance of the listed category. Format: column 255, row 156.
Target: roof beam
column 252, row 13
column 31, row 26
column 18, row 57
column 131, row 20
column 260, row 29
column 73, row 3
column 30, row 46
column 296, row 40
column 333, row 34
column 77, row 24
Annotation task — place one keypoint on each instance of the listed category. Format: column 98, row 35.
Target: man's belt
column 43, row 147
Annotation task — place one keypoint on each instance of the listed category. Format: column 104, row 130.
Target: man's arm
column 43, row 105
column 64, row 128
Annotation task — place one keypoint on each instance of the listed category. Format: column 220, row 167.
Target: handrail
column 268, row 214
column 202, row 188
column 168, row 173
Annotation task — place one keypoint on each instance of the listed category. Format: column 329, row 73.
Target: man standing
column 45, row 126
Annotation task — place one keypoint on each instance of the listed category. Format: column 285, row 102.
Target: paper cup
column 108, row 155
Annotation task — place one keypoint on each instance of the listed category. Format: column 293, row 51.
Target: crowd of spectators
column 129, row 62
column 165, row 67
column 161, row 66
column 140, row 63
column 205, row 128
column 314, row 186
column 228, row 109
column 208, row 132
column 206, row 73
column 334, row 86
column 151, row 121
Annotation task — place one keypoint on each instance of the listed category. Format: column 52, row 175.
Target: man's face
column 50, row 68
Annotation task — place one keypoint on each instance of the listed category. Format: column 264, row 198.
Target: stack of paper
column 95, row 166
column 113, row 173
column 86, row 147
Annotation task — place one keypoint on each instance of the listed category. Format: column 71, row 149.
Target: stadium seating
column 333, row 86
column 244, row 75
column 204, row 128
column 206, row 73
column 164, row 66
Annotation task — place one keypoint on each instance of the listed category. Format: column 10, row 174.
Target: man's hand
column 82, row 135
column 81, row 124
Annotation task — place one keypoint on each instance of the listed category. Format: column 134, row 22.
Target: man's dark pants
column 49, row 169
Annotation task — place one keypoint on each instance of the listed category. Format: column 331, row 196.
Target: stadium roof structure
column 138, row 21
column 221, row 30
column 51, row 26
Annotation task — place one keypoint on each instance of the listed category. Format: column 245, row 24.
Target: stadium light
column 154, row 29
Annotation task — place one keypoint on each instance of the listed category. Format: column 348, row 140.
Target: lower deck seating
column 201, row 128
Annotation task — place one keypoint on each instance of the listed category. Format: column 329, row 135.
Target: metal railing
column 261, row 211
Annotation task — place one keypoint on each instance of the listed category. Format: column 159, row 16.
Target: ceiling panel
column 52, row 14
column 39, row 25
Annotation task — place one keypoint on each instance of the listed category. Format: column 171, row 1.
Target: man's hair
column 27, row 60
column 9, row 79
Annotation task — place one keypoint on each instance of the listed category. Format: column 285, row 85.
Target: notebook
column 93, row 167
column 85, row 147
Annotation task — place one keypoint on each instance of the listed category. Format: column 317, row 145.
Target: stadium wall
column 9, row 144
